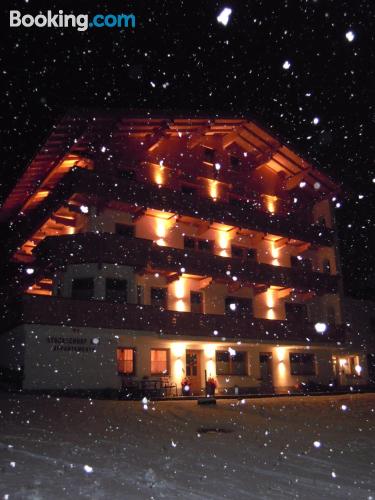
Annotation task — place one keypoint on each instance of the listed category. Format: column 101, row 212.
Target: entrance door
column 193, row 370
column 265, row 361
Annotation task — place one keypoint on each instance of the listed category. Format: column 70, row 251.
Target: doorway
column 265, row 362
column 193, row 370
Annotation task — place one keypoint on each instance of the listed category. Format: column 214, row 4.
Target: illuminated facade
column 145, row 248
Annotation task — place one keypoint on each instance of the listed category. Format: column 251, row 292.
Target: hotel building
column 142, row 249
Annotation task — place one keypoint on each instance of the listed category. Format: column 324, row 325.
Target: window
column 350, row 365
column 208, row 154
column 126, row 360
column 190, row 190
column 159, row 297
column 83, row 288
column 127, row 174
column 196, row 302
column 140, row 294
column 231, row 365
column 238, row 306
column 326, row 266
column 236, row 202
column 196, row 244
column 159, row 361
column 115, row 290
column 124, row 230
column 235, row 163
column 301, row 263
column 331, row 315
column 243, row 253
column 205, row 245
column 321, row 220
column 295, row 312
column 189, row 243
column 302, row 364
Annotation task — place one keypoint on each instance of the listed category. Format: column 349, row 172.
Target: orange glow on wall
column 180, row 295
column 223, row 241
column 270, row 203
column 213, row 189
column 275, row 252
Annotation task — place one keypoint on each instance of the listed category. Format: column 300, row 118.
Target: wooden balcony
column 32, row 309
column 110, row 188
column 111, row 248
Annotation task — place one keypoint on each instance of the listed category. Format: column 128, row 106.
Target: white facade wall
column 68, row 358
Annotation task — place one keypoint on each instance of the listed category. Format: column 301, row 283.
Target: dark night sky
column 197, row 64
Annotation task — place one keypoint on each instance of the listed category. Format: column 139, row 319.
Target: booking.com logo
column 79, row 21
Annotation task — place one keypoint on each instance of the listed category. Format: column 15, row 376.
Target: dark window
column 227, row 364
column 126, row 360
column 189, row 243
column 296, row 312
column 302, row 364
column 190, row 190
column 331, row 315
column 208, row 154
column 234, row 163
column 140, row 294
column 205, row 245
column 83, row 288
column 301, row 263
column 127, row 174
column 116, row 290
column 322, row 221
column 196, row 302
column 124, row 230
column 237, row 252
column 236, row 202
column 238, row 306
column 196, row 244
column 159, row 297
column 326, row 266
column 243, row 252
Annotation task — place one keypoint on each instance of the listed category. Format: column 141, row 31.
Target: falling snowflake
column 286, row 65
column 223, row 17
column 88, row 469
column 349, row 35
column 320, row 327
column 317, row 444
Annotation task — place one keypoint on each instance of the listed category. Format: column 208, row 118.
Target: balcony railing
column 140, row 253
column 161, row 198
column 32, row 309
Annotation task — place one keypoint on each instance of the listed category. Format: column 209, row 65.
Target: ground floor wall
column 59, row 357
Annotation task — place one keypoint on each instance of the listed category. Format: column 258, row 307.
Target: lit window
column 350, row 365
column 159, row 361
column 125, row 360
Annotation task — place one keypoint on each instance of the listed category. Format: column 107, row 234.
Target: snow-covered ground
column 304, row 447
